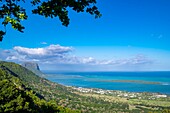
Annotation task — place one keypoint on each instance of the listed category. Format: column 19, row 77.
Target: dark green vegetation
column 22, row 90
column 15, row 96
column 12, row 12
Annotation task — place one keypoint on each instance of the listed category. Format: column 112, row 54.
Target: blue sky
column 132, row 35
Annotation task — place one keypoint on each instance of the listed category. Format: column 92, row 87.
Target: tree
column 11, row 11
column 15, row 97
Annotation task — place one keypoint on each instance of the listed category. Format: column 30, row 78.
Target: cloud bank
column 57, row 54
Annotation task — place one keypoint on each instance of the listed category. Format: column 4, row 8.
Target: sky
column 131, row 35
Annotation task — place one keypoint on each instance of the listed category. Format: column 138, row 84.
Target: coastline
column 133, row 99
column 118, row 93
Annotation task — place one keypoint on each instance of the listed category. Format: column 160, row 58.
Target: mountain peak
column 31, row 65
column 34, row 67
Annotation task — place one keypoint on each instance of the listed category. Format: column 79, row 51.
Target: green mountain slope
column 16, row 97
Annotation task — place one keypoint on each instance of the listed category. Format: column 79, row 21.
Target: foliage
column 16, row 97
column 12, row 12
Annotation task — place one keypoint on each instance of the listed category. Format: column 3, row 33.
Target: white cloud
column 44, row 43
column 50, row 53
column 83, row 60
column 51, row 50
column 56, row 55
column 136, row 60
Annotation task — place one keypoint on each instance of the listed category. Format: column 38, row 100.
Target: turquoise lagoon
column 157, row 82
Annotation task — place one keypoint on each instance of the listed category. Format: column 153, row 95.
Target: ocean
column 154, row 82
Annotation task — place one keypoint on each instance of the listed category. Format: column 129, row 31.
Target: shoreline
column 90, row 89
column 117, row 92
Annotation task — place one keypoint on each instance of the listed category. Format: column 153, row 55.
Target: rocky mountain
column 34, row 67
column 31, row 65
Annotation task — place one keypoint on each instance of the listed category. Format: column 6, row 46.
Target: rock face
column 31, row 65
column 34, row 67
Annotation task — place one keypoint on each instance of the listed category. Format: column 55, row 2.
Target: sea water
column 157, row 82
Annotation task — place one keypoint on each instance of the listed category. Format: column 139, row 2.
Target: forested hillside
column 17, row 97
